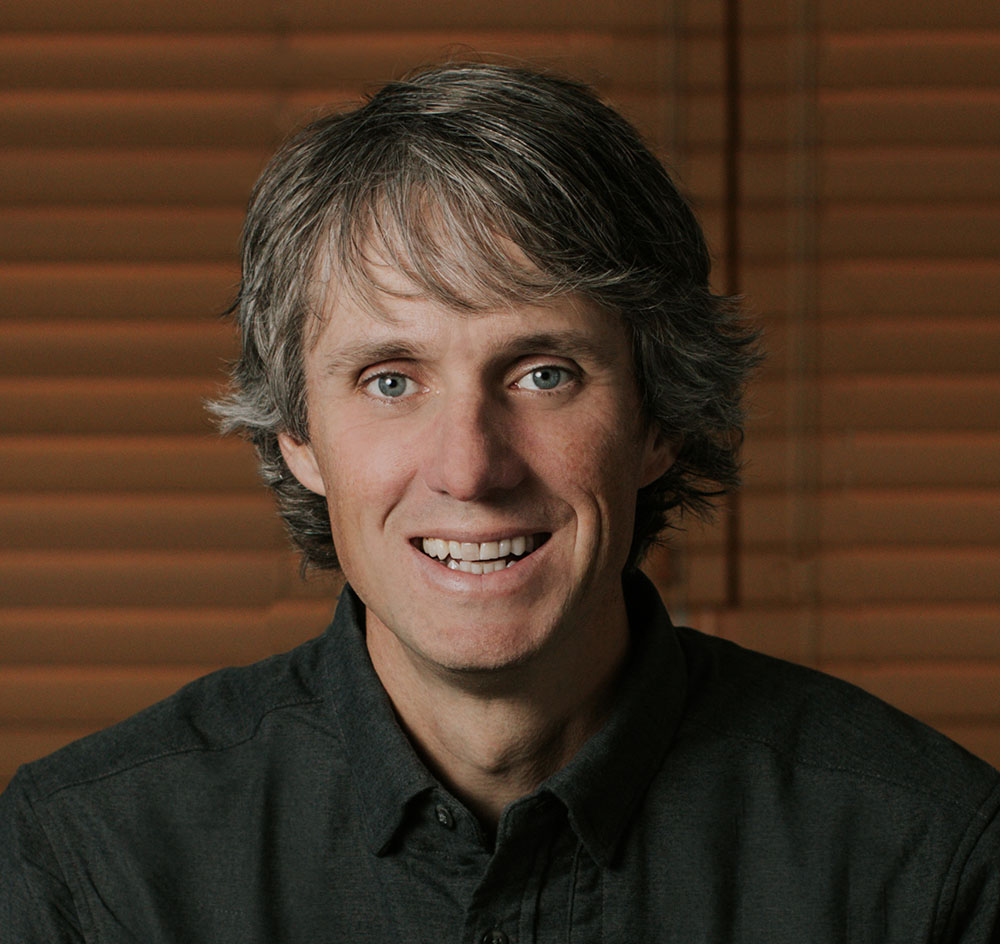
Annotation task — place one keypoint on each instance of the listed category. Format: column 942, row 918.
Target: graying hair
column 443, row 174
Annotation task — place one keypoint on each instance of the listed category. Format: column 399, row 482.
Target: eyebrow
column 370, row 352
column 569, row 343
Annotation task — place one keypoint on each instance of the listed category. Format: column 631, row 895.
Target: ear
column 300, row 458
column 658, row 455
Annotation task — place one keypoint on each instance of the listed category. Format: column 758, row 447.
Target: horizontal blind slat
column 142, row 463
column 116, row 291
column 227, row 61
column 128, row 349
column 148, row 635
column 140, row 522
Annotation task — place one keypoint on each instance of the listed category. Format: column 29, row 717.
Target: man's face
column 513, row 436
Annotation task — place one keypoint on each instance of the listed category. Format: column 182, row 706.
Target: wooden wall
column 870, row 229
column 137, row 550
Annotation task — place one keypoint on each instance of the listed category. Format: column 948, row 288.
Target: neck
column 492, row 737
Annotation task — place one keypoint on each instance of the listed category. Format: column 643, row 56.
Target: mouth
column 485, row 557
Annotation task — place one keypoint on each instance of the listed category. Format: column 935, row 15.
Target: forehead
column 369, row 258
column 395, row 308
column 350, row 333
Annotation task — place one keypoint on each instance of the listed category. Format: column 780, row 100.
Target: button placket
column 444, row 816
column 494, row 936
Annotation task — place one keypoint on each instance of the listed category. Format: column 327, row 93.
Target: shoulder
column 805, row 719
column 209, row 715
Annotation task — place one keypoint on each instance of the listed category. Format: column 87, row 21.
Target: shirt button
column 496, row 936
column 444, row 816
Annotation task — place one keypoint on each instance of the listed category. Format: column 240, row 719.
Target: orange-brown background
column 137, row 551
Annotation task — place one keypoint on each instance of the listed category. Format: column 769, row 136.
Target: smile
column 472, row 557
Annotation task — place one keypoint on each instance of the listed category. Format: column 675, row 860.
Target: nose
column 470, row 453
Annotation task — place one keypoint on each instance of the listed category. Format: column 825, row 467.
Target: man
column 481, row 366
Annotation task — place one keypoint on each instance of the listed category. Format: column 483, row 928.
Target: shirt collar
column 387, row 772
column 601, row 787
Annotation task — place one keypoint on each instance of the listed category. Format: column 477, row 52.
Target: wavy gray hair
column 443, row 171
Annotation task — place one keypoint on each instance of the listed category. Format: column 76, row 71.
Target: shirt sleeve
column 975, row 916
column 36, row 905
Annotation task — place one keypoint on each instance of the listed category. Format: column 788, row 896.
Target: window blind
column 137, row 550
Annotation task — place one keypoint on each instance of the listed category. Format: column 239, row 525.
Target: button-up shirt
column 728, row 797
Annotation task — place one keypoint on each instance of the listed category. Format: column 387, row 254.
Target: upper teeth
column 473, row 551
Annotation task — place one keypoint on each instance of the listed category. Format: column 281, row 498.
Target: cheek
column 597, row 457
column 365, row 469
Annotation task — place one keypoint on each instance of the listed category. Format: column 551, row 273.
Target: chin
column 495, row 651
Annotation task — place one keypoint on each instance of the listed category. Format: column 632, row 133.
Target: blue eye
column 544, row 378
column 389, row 386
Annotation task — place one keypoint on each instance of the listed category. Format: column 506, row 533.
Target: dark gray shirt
column 730, row 797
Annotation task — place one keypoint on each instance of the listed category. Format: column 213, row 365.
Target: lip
column 476, row 537
column 500, row 582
